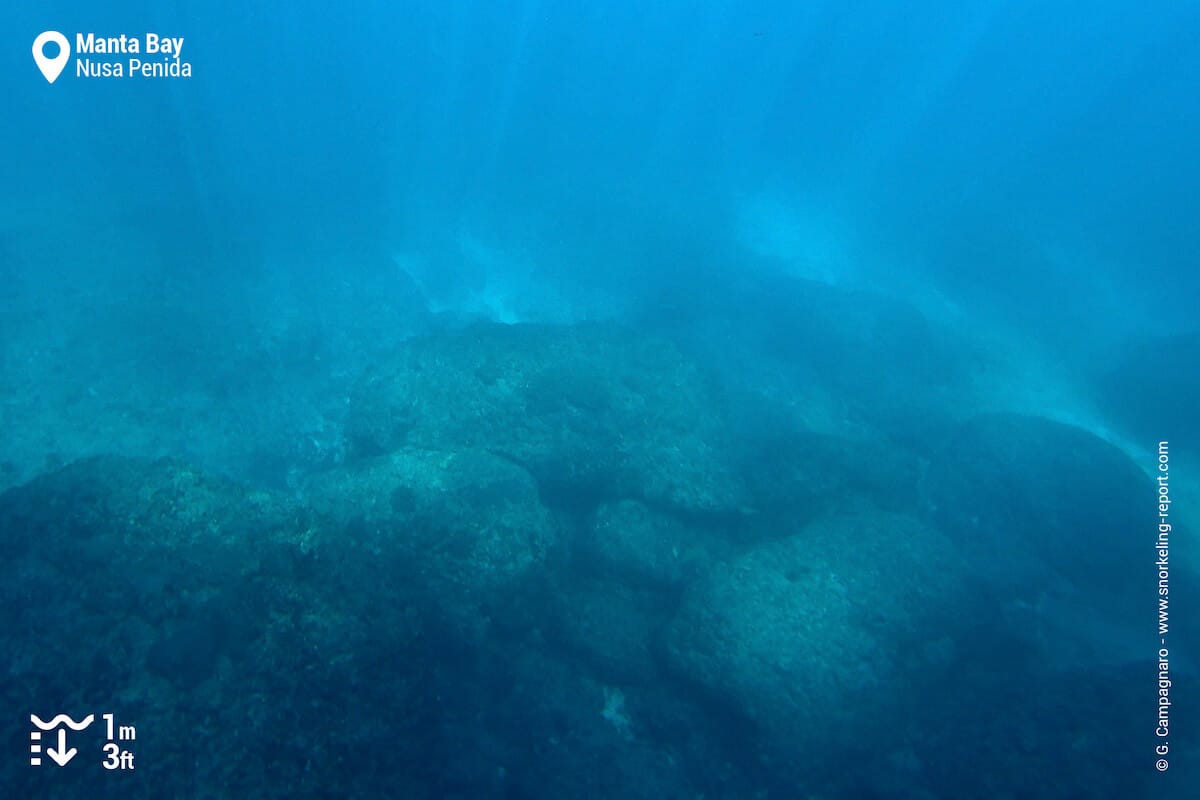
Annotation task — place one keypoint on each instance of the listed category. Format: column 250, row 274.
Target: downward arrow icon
column 62, row 755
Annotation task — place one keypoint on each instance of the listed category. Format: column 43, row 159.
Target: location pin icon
column 51, row 67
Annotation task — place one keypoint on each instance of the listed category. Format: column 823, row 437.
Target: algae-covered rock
column 592, row 411
column 466, row 527
column 817, row 638
column 641, row 547
column 233, row 628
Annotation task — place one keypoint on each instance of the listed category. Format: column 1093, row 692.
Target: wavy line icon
column 62, row 719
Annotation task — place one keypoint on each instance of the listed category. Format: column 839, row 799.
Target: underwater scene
column 543, row 400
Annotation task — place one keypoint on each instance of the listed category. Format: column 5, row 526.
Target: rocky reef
column 590, row 561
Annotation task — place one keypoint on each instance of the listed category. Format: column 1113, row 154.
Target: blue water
column 541, row 400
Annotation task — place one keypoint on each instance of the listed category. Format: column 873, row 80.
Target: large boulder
column 467, row 528
column 636, row 545
column 1042, row 508
column 820, row 639
column 831, row 359
column 592, row 411
column 796, row 476
column 241, row 631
